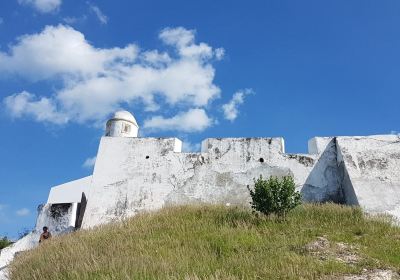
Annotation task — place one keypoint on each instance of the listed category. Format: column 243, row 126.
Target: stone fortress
column 134, row 174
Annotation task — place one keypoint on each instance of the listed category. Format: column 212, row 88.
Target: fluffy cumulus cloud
column 190, row 121
column 43, row 6
column 27, row 104
column 93, row 82
column 231, row 109
column 61, row 51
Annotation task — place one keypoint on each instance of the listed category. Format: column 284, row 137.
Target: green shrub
column 274, row 196
column 4, row 242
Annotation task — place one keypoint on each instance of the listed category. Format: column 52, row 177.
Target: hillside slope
column 218, row 242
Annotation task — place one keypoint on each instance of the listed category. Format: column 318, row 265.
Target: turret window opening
column 126, row 128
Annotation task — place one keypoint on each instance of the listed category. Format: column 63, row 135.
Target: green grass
column 214, row 242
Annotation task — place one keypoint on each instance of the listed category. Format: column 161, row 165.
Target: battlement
column 243, row 145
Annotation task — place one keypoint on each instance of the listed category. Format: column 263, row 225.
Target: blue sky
column 192, row 69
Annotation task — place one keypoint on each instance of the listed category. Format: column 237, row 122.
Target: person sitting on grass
column 45, row 235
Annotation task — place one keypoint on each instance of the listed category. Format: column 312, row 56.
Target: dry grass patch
column 217, row 242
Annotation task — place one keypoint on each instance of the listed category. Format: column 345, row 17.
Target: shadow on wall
column 80, row 211
column 325, row 181
column 350, row 197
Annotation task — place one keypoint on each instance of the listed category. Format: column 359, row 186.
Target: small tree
column 4, row 242
column 274, row 196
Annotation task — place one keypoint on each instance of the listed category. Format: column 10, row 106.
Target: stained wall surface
column 371, row 172
column 136, row 174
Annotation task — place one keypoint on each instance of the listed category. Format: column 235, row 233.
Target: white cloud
column 179, row 36
column 191, row 121
column 61, row 51
column 219, row 53
column 97, row 81
column 99, row 14
column 1, row 20
column 183, row 40
column 43, row 6
column 89, row 162
column 156, row 58
column 70, row 20
column 73, row 20
column 41, row 109
column 23, row 212
column 231, row 109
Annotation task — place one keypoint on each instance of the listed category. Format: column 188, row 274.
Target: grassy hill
column 218, row 242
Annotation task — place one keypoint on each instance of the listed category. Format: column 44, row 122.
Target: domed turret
column 122, row 124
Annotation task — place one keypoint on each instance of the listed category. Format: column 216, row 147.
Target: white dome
column 122, row 124
column 125, row 116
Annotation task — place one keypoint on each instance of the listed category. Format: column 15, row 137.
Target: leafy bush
column 4, row 242
column 274, row 196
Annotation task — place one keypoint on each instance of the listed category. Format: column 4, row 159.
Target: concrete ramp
column 371, row 172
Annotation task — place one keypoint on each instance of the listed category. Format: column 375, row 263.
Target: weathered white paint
column 317, row 145
column 137, row 174
column 371, row 172
column 122, row 124
column 69, row 192
column 126, row 173
column 325, row 179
